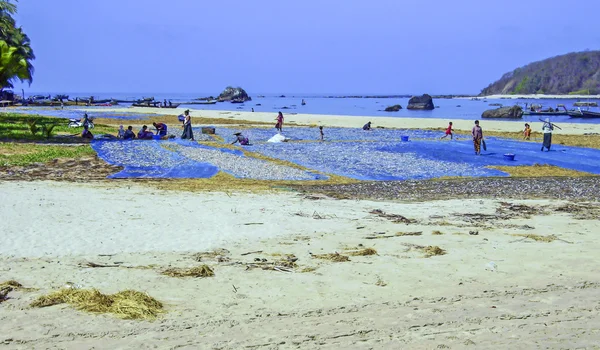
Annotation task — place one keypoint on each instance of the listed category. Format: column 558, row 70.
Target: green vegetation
column 18, row 127
column 16, row 54
column 521, row 87
column 12, row 154
column 574, row 73
column 580, row 92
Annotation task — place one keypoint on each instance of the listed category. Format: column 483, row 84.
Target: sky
column 308, row 46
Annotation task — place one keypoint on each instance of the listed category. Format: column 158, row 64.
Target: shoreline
column 346, row 121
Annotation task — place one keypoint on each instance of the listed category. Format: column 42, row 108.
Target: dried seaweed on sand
column 335, row 257
column 539, row 238
column 363, row 252
column 392, row 217
column 429, row 251
column 197, row 271
column 437, row 233
column 127, row 304
column 416, row 233
column 433, row 250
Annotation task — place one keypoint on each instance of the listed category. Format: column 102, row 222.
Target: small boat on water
column 583, row 114
column 546, row 113
column 156, row 104
column 585, row 104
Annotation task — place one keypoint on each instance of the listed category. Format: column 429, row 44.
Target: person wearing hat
column 241, row 139
column 367, row 126
column 187, row 126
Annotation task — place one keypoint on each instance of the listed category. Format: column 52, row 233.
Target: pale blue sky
column 338, row 46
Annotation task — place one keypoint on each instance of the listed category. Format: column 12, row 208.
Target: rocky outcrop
column 394, row 108
column 421, row 102
column 234, row 94
column 513, row 112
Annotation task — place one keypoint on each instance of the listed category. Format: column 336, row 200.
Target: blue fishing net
column 148, row 159
column 185, row 159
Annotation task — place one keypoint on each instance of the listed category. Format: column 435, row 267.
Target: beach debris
column 414, row 233
column 7, row 287
column 254, row 223
column 396, row 218
column 254, row 252
column 220, row 255
column 197, row 271
column 362, row 252
column 127, row 304
column 433, row 250
column 538, row 238
column 474, row 233
column 491, row 266
column 429, row 251
column 318, row 216
column 437, row 233
column 380, row 282
column 335, row 257
column 521, row 210
column 582, row 211
column 93, row 264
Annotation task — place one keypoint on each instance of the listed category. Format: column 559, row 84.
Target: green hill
column 573, row 73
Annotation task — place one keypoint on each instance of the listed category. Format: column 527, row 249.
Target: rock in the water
column 234, row 94
column 394, row 108
column 421, row 102
column 513, row 112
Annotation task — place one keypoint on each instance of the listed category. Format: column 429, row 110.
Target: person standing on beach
column 187, row 126
column 279, row 125
column 321, row 131
column 547, row 129
column 477, row 133
column 527, row 132
column 448, row 132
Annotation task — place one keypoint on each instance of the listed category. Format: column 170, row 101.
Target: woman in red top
column 448, row 131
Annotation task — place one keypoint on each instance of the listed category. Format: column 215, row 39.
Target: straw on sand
column 335, row 257
column 363, row 252
column 127, row 304
column 197, row 271
column 433, row 250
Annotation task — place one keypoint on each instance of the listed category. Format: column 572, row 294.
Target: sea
column 348, row 104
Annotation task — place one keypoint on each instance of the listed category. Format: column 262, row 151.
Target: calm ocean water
column 321, row 104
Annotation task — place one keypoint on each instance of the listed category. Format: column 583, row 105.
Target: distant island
column 576, row 73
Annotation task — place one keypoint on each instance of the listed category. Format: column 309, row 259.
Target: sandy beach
column 358, row 121
column 515, row 274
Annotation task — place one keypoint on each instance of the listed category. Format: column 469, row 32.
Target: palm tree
column 16, row 47
column 12, row 66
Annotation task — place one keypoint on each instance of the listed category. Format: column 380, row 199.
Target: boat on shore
column 583, row 114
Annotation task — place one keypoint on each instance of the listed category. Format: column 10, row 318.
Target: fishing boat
column 546, row 113
column 583, row 114
column 155, row 104
column 585, row 104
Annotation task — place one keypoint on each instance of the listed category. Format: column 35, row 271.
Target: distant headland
column 576, row 73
